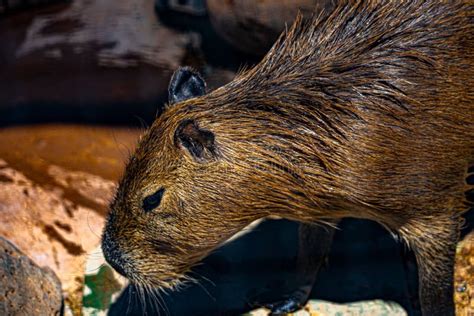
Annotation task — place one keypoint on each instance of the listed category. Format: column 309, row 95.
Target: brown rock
column 55, row 184
column 25, row 288
column 464, row 277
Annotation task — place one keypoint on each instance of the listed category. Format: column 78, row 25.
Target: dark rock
column 25, row 288
column 13, row 6
column 253, row 26
column 88, row 61
column 193, row 7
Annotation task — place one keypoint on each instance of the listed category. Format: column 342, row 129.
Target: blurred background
column 79, row 81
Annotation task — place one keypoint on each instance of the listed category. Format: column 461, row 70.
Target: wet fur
column 367, row 112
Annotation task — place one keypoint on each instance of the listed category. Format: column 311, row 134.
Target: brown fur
column 367, row 112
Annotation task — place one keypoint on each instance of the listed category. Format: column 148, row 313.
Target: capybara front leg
column 314, row 245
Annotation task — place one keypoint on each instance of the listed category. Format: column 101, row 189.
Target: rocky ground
column 55, row 184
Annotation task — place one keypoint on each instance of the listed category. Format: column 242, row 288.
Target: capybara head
column 186, row 188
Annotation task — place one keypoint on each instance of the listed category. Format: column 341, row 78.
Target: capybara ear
column 197, row 142
column 186, row 83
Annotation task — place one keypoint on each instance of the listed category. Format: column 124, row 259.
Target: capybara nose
column 113, row 254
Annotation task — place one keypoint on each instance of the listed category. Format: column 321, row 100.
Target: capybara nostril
column 114, row 255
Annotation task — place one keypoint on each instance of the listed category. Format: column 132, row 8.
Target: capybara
column 366, row 112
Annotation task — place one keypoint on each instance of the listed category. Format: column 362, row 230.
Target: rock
column 253, row 26
column 464, row 276
column 126, row 33
column 193, row 7
column 25, row 288
column 93, row 62
column 13, row 6
column 55, row 185
column 83, row 60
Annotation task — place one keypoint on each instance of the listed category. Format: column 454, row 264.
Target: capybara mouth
column 115, row 257
column 141, row 274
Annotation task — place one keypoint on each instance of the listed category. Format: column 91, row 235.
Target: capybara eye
column 153, row 200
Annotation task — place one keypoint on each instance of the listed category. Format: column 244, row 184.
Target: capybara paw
column 285, row 307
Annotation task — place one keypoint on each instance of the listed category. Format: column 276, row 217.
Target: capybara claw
column 285, row 307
